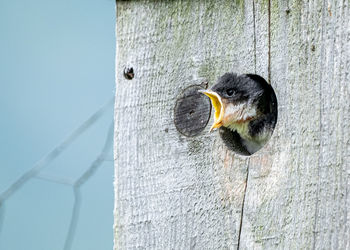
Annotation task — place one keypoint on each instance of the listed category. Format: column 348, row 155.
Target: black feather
column 233, row 141
column 254, row 89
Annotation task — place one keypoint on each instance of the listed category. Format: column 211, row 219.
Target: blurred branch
column 55, row 179
column 80, row 181
column 54, row 153
column 2, row 215
column 74, row 220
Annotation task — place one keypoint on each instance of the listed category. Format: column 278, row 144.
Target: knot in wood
column 192, row 111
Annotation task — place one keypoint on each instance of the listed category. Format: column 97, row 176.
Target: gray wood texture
column 178, row 192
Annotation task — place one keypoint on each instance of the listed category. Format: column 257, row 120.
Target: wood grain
column 178, row 192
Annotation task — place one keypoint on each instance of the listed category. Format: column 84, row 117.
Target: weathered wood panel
column 177, row 192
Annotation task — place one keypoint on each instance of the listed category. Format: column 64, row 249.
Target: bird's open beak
column 218, row 106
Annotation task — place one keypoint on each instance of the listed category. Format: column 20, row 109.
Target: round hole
column 247, row 118
column 128, row 73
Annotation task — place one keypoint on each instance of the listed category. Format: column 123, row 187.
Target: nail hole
column 129, row 73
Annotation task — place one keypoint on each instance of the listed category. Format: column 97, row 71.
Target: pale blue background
column 56, row 69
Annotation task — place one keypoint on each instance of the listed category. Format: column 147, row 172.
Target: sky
column 56, row 70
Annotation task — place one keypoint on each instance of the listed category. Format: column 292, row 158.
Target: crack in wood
column 247, row 175
column 269, row 41
column 242, row 210
column 254, row 41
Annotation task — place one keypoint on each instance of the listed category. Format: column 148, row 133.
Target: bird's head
column 236, row 100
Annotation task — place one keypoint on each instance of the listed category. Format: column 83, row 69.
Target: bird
column 245, row 111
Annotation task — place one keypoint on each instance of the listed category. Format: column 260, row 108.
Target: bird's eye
column 230, row 92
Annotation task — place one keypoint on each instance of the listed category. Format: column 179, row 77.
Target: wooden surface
column 178, row 192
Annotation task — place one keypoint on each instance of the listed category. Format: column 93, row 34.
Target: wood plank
column 178, row 192
column 172, row 191
column 297, row 192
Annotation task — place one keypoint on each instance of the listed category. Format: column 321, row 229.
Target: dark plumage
column 245, row 111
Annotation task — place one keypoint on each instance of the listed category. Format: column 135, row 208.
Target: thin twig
column 54, row 153
column 80, row 181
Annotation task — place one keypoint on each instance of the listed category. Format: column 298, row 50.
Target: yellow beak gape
column 218, row 106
